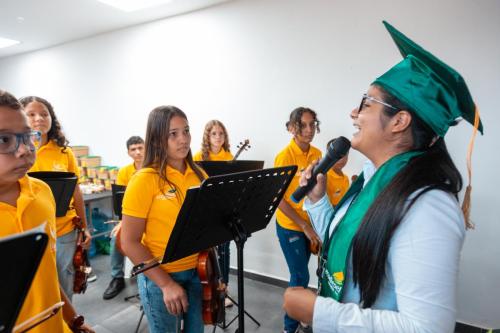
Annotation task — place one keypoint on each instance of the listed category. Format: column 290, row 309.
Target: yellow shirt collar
column 176, row 173
column 296, row 149
column 28, row 191
column 50, row 145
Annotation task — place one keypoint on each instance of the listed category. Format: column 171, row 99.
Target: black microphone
column 334, row 152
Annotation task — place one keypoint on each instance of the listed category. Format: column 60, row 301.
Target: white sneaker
column 92, row 277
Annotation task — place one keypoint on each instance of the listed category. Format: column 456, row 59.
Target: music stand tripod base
column 224, row 208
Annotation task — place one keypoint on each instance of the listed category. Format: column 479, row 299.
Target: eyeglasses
column 217, row 134
column 9, row 142
column 373, row 99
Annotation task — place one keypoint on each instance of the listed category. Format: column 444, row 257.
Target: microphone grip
column 323, row 166
column 301, row 192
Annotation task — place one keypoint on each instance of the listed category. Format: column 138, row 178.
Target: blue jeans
column 223, row 252
column 295, row 247
column 117, row 260
column 65, row 250
column 159, row 319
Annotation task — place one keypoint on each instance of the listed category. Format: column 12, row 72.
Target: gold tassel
column 466, row 204
column 466, row 208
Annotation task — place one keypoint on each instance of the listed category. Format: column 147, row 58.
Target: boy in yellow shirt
column 26, row 203
column 135, row 149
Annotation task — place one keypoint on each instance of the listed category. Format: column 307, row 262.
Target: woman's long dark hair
column 55, row 133
column 434, row 169
column 157, row 132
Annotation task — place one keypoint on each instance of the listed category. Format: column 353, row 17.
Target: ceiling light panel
column 134, row 5
column 5, row 42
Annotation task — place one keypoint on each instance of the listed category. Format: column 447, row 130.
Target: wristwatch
column 76, row 323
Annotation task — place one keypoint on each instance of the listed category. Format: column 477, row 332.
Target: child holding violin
column 27, row 203
column 54, row 155
column 169, row 293
column 215, row 147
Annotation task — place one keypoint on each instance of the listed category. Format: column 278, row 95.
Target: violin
column 214, row 289
column 242, row 146
column 80, row 259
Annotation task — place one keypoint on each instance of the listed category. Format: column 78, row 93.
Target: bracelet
column 76, row 323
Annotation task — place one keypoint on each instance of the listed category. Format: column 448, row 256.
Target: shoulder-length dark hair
column 157, row 132
column 55, row 133
column 295, row 120
column 205, row 144
column 434, row 169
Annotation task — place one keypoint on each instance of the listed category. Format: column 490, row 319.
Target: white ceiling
column 40, row 24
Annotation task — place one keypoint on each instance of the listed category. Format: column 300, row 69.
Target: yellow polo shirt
column 35, row 206
column 125, row 173
column 50, row 158
column 293, row 155
column 336, row 186
column 143, row 199
column 222, row 155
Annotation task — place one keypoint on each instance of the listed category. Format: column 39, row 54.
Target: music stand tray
column 62, row 185
column 216, row 168
column 224, row 208
column 20, row 255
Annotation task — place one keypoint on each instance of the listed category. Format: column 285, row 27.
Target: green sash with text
column 338, row 245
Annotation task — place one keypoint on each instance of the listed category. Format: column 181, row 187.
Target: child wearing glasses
column 27, row 203
column 215, row 144
column 294, row 230
column 54, row 155
column 215, row 147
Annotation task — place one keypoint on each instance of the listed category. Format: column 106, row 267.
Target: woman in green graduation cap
column 392, row 246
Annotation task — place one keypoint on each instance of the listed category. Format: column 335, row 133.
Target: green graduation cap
column 433, row 90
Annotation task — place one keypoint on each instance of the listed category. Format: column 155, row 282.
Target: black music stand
column 225, row 208
column 62, row 185
column 217, row 168
column 117, row 194
column 20, row 255
column 118, row 191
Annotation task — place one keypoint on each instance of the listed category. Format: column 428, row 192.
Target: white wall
column 249, row 63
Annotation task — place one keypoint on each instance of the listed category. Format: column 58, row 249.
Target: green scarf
column 336, row 248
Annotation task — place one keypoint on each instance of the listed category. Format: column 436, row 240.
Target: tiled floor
column 262, row 301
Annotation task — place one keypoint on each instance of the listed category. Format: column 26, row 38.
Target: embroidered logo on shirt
column 338, row 277
column 167, row 196
column 58, row 167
